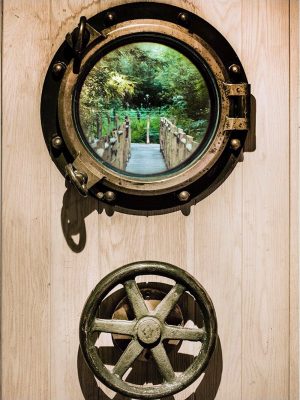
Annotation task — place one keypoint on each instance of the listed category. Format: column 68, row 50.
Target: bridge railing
column 175, row 145
column 115, row 148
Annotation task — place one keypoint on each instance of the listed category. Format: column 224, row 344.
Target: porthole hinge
column 236, row 89
column 236, row 124
column 239, row 118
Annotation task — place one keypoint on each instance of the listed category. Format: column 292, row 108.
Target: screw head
column 183, row 17
column 100, row 195
column 184, row 195
column 58, row 69
column 57, row 142
column 110, row 16
column 235, row 144
column 236, row 69
column 110, row 196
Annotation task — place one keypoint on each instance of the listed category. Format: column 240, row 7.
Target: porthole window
column 146, row 107
column 140, row 98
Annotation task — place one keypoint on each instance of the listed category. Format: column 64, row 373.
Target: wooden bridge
column 175, row 145
column 115, row 148
column 145, row 159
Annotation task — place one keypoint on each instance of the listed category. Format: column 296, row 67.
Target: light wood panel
column 294, row 200
column 238, row 242
column 265, row 275
column 218, row 232
column 26, row 205
column 1, row 42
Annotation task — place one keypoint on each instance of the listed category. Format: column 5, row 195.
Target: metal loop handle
column 79, row 179
column 78, row 47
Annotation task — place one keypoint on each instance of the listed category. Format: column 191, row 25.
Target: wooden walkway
column 146, row 159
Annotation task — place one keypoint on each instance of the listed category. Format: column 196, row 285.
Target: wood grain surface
column 240, row 243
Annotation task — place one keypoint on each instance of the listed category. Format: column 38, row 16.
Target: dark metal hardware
column 110, row 17
column 183, row 17
column 184, row 196
column 79, row 179
column 78, row 40
column 57, row 142
column 148, row 330
column 235, row 144
column 237, row 89
column 236, row 124
column 233, row 118
column 59, row 69
column 236, row 69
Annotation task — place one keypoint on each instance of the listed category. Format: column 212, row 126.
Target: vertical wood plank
column 1, row 133
column 265, row 280
column 74, row 241
column 26, row 205
column 240, row 243
column 218, row 231
column 294, row 200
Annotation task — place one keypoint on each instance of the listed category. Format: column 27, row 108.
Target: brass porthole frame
column 180, row 187
column 97, row 171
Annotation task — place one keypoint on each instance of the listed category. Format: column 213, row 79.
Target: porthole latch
column 78, row 178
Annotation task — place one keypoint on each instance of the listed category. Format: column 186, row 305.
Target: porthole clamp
column 78, row 178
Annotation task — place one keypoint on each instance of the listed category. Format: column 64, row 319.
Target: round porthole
column 146, row 107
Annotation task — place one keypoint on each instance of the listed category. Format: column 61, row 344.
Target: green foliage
column 141, row 79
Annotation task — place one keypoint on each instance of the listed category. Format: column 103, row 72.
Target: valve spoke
column 181, row 333
column 136, row 299
column 163, row 362
column 168, row 303
column 121, row 327
column 133, row 350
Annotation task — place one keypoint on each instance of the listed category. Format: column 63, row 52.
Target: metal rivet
column 110, row 196
column 184, row 196
column 110, row 16
column 236, row 69
column 59, row 68
column 235, row 144
column 183, row 17
column 100, row 195
column 57, row 142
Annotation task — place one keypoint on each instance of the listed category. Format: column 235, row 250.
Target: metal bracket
column 236, row 89
column 239, row 121
column 236, row 124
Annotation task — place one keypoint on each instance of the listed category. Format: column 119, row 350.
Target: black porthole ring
column 161, row 202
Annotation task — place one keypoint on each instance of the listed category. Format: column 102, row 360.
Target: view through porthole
column 144, row 108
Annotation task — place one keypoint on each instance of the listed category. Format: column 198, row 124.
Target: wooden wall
column 240, row 243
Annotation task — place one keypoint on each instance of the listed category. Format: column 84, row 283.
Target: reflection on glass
column 144, row 108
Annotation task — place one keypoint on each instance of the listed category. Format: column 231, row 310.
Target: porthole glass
column 144, row 108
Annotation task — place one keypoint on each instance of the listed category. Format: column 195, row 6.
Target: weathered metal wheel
column 148, row 330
